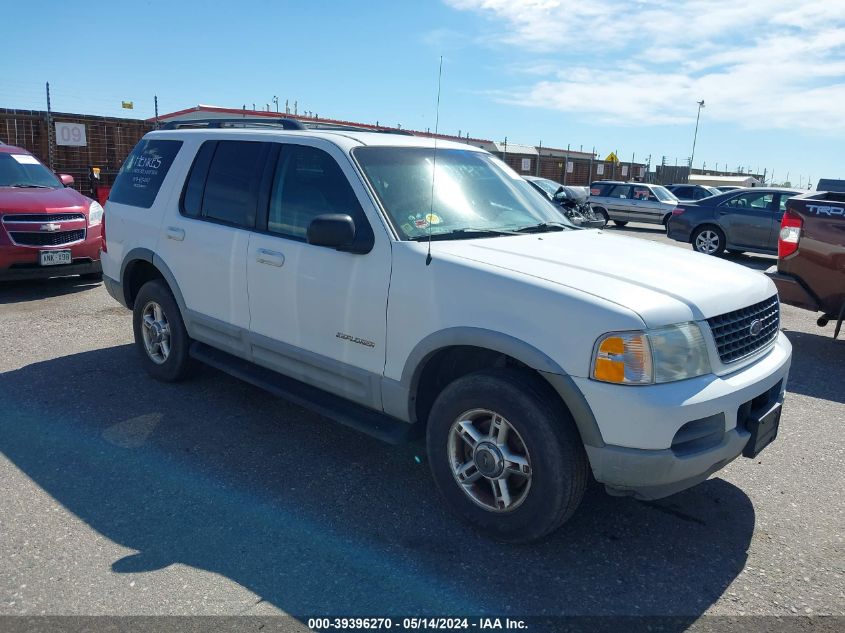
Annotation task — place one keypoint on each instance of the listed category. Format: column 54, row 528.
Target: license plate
column 764, row 430
column 53, row 258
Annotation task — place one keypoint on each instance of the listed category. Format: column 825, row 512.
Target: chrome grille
column 41, row 218
column 58, row 238
column 732, row 330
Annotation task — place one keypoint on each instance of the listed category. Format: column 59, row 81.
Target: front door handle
column 174, row 233
column 271, row 258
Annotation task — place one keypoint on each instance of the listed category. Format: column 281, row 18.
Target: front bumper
column 792, row 290
column 587, row 223
column 660, row 439
column 22, row 262
column 78, row 267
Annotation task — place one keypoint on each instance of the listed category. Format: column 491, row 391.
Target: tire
column 602, row 213
column 665, row 220
column 171, row 363
column 541, row 436
column 92, row 276
column 709, row 240
column 620, row 222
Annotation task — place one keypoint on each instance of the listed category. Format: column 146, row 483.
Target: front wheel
column 709, row 240
column 506, row 459
column 160, row 334
column 602, row 213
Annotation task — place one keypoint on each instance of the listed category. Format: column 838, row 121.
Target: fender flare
column 516, row 348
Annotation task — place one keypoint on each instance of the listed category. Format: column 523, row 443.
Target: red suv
column 47, row 229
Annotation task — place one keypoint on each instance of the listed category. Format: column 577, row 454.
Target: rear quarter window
column 139, row 180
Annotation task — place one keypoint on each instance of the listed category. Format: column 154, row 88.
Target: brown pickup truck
column 810, row 272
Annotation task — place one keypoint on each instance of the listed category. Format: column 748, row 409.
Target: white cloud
column 759, row 63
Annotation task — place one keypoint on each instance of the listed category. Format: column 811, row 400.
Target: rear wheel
column 160, row 334
column 620, row 222
column 506, row 459
column 709, row 240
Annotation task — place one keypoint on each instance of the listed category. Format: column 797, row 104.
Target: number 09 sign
column 70, row 134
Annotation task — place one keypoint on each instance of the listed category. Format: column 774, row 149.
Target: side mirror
column 335, row 230
column 66, row 179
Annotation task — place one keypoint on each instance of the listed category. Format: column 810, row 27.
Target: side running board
column 378, row 425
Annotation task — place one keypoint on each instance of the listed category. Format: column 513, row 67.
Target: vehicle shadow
column 753, row 261
column 319, row 520
column 35, row 289
column 818, row 364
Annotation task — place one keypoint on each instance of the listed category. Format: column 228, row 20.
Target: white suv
column 399, row 287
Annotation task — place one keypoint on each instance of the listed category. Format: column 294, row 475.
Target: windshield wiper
column 543, row 227
column 23, row 185
column 456, row 234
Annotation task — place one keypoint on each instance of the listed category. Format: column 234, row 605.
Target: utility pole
column 539, row 155
column 276, row 101
column 155, row 101
column 695, row 136
column 50, row 130
column 566, row 164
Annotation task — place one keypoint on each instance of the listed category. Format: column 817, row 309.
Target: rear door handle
column 174, row 233
column 271, row 258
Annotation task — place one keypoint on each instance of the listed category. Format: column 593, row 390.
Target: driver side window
column 308, row 182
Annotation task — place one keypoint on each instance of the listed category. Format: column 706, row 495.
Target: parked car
column 692, row 192
column 625, row 202
column 571, row 200
column 333, row 269
column 47, row 229
column 810, row 272
column 736, row 221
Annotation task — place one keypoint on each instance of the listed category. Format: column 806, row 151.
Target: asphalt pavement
column 120, row 495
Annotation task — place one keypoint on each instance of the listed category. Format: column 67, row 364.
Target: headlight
column 675, row 352
column 95, row 214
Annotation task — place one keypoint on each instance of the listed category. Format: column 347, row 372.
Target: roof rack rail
column 281, row 122
column 342, row 127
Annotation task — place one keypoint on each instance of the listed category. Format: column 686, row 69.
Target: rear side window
column 231, row 188
column 620, row 191
column 224, row 182
column 142, row 173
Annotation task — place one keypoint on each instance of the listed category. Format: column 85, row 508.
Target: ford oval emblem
column 756, row 327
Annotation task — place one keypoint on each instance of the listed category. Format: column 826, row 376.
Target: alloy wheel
column 707, row 242
column 155, row 331
column 489, row 460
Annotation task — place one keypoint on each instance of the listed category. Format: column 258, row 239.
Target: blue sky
column 611, row 74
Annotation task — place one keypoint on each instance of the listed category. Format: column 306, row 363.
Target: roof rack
column 343, row 127
column 281, row 122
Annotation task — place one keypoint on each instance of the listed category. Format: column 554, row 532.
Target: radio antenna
column 434, row 162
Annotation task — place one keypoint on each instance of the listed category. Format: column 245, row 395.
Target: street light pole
column 695, row 136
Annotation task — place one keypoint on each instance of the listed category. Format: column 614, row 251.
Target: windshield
column 472, row 190
column 713, row 191
column 23, row 170
column 663, row 194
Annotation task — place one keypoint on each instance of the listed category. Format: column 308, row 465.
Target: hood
column 663, row 284
column 21, row 200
